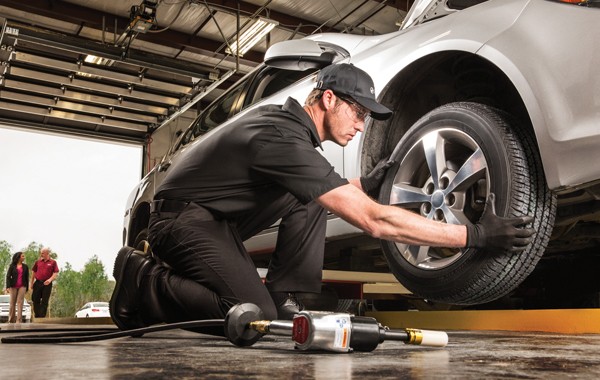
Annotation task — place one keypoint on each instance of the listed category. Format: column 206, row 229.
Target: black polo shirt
column 247, row 164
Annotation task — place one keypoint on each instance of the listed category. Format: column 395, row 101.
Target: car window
column 4, row 299
column 271, row 81
column 216, row 113
column 187, row 137
column 264, row 83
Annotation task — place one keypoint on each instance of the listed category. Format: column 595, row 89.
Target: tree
column 5, row 259
column 94, row 280
column 66, row 293
column 73, row 289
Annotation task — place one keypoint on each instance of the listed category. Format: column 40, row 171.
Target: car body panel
column 563, row 108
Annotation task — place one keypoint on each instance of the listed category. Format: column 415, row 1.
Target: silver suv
column 495, row 96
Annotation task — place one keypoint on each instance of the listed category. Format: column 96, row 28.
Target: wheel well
column 430, row 82
column 139, row 222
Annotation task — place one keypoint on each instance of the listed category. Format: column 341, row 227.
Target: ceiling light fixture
column 96, row 60
column 251, row 36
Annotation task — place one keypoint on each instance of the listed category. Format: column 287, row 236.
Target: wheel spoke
column 454, row 216
column 419, row 254
column 407, row 195
column 469, row 172
column 433, row 146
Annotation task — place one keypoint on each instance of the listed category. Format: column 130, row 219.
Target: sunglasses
column 361, row 112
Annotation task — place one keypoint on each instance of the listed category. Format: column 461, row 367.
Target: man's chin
column 344, row 142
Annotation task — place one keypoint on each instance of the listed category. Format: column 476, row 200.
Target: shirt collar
column 292, row 106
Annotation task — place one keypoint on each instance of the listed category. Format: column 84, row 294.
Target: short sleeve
column 298, row 167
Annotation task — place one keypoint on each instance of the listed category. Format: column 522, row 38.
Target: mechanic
column 245, row 178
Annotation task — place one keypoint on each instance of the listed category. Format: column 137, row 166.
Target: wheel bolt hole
column 439, row 215
column 425, row 209
column 429, row 189
column 450, row 199
column 444, row 183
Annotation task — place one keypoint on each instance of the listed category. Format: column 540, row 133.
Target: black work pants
column 40, row 295
column 209, row 269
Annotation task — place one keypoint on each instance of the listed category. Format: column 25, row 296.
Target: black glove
column 373, row 180
column 497, row 234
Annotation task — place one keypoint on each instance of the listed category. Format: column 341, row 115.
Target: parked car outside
column 489, row 96
column 93, row 310
column 5, row 307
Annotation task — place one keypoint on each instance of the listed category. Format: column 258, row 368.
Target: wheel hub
column 437, row 199
column 436, row 177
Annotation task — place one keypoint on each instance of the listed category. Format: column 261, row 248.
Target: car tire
column 501, row 157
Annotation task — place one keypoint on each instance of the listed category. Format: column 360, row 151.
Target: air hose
column 91, row 335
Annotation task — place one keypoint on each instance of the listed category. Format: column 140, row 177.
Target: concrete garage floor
column 181, row 354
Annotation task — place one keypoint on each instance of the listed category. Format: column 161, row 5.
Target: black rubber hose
column 57, row 329
column 87, row 336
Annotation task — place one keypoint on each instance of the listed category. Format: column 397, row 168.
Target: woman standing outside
column 17, row 284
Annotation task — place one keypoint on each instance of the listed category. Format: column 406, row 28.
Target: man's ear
column 328, row 100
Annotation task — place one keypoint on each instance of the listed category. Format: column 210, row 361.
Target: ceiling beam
column 84, row 46
column 289, row 22
column 402, row 5
column 92, row 18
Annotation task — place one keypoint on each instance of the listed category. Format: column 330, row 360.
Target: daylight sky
column 66, row 193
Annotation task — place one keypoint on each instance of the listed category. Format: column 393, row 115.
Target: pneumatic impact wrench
column 318, row 330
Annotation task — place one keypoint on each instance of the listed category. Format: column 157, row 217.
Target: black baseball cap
column 347, row 79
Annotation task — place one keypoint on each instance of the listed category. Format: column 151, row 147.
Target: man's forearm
column 356, row 183
column 390, row 222
column 400, row 225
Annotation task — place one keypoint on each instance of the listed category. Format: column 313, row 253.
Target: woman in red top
column 17, row 284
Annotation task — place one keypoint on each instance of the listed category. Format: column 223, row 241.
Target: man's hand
column 373, row 180
column 497, row 234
